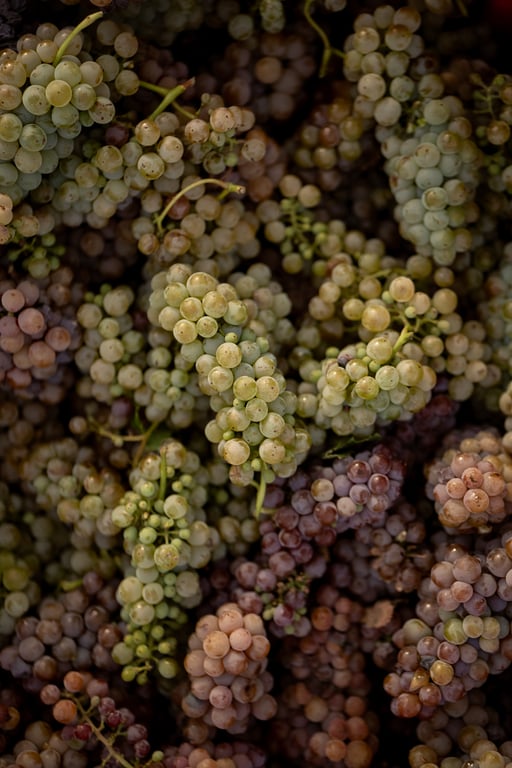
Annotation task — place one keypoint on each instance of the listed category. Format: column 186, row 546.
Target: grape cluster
column 72, row 630
column 19, row 590
column 22, row 425
column 47, row 96
column 38, row 333
column 396, row 340
column 434, row 177
column 112, row 350
column 431, row 160
column 460, row 635
column 302, row 517
column 27, row 557
column 63, row 480
column 254, row 426
column 323, row 714
column 92, row 719
column 166, row 535
column 469, row 481
column 226, row 665
column 397, row 552
column 464, row 731
column 333, row 140
column 420, row 437
column 379, row 53
column 267, row 69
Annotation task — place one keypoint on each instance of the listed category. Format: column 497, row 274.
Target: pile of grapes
column 255, row 384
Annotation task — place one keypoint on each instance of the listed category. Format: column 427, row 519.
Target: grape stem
column 68, row 584
column 300, row 223
column 86, row 22
column 328, row 48
column 116, row 756
column 163, row 478
column 227, row 187
column 260, row 496
column 169, row 96
column 120, row 439
column 261, row 489
column 405, row 335
column 144, row 441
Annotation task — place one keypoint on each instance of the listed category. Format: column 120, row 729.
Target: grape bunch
column 304, row 516
column 66, row 486
column 38, row 333
column 460, row 732
column 111, row 346
column 94, row 721
column 168, row 541
column 434, row 176
column 46, row 99
column 460, row 635
column 73, row 630
column 469, row 481
column 254, row 425
column 324, row 713
column 226, row 663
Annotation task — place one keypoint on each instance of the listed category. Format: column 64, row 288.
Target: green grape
column 83, row 97
column 10, row 127
column 58, row 93
column 32, row 137
column 35, row 100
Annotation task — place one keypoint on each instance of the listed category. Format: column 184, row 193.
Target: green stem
column 182, row 111
column 260, row 496
column 406, row 335
column 328, row 49
column 120, row 439
column 227, row 186
column 171, row 96
column 144, row 441
column 297, row 224
column 154, row 88
column 67, row 585
column 104, row 432
column 261, row 489
column 90, row 19
column 165, row 91
column 163, row 478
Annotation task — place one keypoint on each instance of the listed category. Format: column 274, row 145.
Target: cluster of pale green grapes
column 162, row 516
column 432, row 160
column 400, row 339
column 111, row 348
column 48, row 96
column 434, row 176
column 254, row 425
